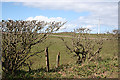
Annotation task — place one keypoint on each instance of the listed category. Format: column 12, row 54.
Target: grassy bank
column 105, row 66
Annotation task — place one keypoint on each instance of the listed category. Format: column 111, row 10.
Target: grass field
column 105, row 66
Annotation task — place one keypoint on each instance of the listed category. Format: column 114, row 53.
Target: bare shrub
column 18, row 38
column 84, row 46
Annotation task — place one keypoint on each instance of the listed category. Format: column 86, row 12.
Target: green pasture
column 106, row 66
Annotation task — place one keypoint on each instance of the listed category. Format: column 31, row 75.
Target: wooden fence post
column 47, row 59
column 58, row 60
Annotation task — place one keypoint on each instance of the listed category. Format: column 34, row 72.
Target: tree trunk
column 79, row 59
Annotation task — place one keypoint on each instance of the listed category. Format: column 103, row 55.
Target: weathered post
column 58, row 60
column 47, row 59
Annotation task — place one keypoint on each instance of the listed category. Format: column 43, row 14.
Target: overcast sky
column 77, row 13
